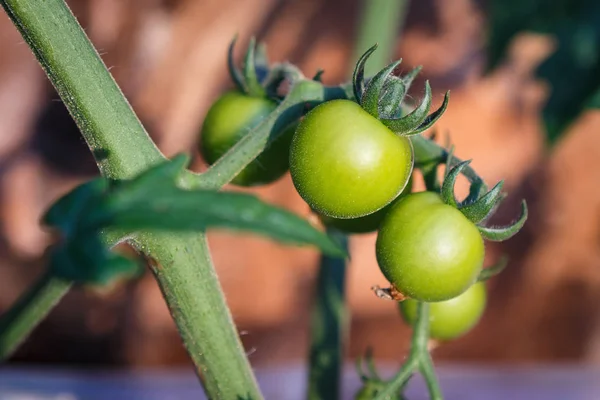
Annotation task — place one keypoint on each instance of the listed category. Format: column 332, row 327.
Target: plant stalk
column 418, row 359
column 381, row 23
column 17, row 323
column 122, row 149
column 328, row 327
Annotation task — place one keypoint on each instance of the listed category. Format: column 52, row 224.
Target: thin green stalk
column 381, row 22
column 122, row 149
column 328, row 327
column 428, row 372
column 418, row 358
column 17, row 323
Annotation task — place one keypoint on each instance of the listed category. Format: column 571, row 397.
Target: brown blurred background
column 169, row 58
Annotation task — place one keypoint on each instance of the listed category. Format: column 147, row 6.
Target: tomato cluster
column 352, row 162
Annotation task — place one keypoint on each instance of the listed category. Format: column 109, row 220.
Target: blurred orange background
column 169, row 58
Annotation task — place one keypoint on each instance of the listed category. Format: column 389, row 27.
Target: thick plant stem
column 381, row 23
column 191, row 289
column 111, row 129
column 28, row 311
column 122, row 149
column 328, row 327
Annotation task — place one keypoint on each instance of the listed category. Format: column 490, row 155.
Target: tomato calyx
column 383, row 95
column 256, row 77
column 478, row 206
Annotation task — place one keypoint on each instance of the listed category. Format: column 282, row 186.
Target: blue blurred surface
column 459, row 382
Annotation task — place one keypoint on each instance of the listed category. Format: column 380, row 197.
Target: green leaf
column 573, row 71
column 152, row 201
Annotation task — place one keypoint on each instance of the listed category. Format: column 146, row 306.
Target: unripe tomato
column 427, row 249
column 345, row 163
column 368, row 223
column 231, row 117
column 451, row 318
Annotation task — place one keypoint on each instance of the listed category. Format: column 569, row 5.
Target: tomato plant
column 451, row 318
column 429, row 250
column 351, row 156
column 231, row 117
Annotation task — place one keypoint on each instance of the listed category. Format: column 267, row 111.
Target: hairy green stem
column 328, row 327
column 183, row 268
column 17, row 323
column 381, row 23
column 122, row 149
column 111, row 129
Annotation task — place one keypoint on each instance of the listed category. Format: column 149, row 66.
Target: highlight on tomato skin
column 452, row 318
column 229, row 119
column 427, row 249
column 345, row 163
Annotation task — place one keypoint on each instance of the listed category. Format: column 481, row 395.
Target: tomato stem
column 123, row 149
column 328, row 327
column 418, row 359
column 28, row 311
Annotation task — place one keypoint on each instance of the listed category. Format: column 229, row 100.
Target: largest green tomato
column 427, row 249
column 345, row 163
column 229, row 119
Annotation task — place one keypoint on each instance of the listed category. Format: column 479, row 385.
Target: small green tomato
column 427, row 249
column 229, row 119
column 451, row 318
column 345, row 163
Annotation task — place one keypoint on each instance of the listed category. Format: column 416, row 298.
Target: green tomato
column 451, row 318
column 427, row 249
column 231, row 117
column 366, row 224
column 345, row 163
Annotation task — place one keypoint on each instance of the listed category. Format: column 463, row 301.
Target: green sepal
column 390, row 102
column 318, row 77
column 249, row 71
column 494, row 270
column 393, row 94
column 234, row 72
column 433, row 117
column 484, row 206
column 501, row 233
column 447, row 191
column 358, row 76
column 407, row 125
column 373, row 91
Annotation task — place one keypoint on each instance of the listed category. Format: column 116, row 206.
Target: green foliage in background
column 573, row 70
